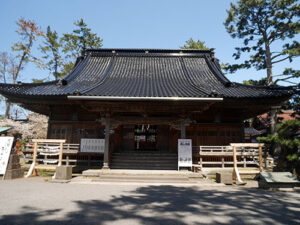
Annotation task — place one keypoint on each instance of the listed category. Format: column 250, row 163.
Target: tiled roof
column 146, row 73
column 4, row 129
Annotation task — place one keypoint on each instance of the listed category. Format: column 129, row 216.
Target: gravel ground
column 34, row 201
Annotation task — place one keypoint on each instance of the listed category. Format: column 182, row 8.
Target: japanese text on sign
column 185, row 153
column 5, row 148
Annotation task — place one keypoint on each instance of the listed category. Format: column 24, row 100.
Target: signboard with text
column 5, row 148
column 92, row 145
column 185, row 153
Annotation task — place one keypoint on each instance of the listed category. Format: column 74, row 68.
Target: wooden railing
column 71, row 154
column 67, row 148
column 247, row 155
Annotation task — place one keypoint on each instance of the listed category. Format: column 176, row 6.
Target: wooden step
column 144, row 160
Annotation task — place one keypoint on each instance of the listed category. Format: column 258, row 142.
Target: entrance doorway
column 145, row 137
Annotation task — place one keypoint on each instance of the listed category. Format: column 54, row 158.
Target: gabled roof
column 145, row 73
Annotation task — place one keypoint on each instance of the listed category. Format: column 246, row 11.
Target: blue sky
column 130, row 24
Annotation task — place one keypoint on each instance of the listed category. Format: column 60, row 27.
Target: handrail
column 249, row 152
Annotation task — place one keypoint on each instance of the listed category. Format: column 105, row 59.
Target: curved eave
column 124, row 98
column 147, row 74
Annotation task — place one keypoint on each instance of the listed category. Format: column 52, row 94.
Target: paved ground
column 34, row 201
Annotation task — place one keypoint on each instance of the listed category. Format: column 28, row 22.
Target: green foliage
column 76, row 42
column 260, row 23
column 67, row 68
column 191, row 44
column 52, row 53
column 79, row 40
column 261, row 82
column 287, row 138
column 293, row 104
column 38, row 80
column 28, row 32
column 61, row 53
column 287, row 74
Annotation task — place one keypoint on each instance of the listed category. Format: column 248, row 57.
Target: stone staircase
column 139, row 176
column 144, row 160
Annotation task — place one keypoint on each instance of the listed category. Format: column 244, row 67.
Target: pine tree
column 52, row 53
column 261, row 24
column 191, row 44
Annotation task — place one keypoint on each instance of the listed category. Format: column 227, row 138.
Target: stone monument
column 14, row 169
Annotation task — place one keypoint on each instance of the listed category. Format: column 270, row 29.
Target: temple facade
column 144, row 100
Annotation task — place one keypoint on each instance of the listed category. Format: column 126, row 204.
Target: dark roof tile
column 145, row 73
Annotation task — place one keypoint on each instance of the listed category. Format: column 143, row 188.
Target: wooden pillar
column 106, row 147
column 260, row 158
column 89, row 160
column 61, row 146
column 67, row 160
column 49, row 129
column 182, row 129
column 200, row 163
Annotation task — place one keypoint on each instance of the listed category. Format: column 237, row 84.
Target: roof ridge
column 186, row 74
column 216, row 72
column 79, row 65
column 102, row 78
column 30, row 84
column 150, row 50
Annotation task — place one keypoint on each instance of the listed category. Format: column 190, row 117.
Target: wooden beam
column 49, row 140
column 145, row 120
column 204, row 108
column 257, row 145
column 106, row 147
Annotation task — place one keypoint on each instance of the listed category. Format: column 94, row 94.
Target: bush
column 288, row 140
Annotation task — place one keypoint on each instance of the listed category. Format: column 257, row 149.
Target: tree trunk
column 273, row 120
column 7, row 111
column 273, row 112
column 269, row 63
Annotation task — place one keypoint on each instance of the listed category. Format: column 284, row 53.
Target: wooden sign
column 92, row 145
column 185, row 153
column 5, row 149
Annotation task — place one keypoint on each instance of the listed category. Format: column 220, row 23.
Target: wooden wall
column 123, row 136
column 221, row 134
column 73, row 132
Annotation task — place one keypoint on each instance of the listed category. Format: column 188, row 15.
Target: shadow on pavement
column 174, row 205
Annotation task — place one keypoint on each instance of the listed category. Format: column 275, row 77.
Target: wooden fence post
column 234, row 175
column 34, row 152
column 32, row 169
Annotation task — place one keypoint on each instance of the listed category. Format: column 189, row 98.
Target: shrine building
column 144, row 100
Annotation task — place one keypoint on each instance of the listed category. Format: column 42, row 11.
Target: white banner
column 92, row 145
column 5, row 148
column 185, row 153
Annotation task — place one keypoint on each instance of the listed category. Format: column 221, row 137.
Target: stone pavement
column 34, row 201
